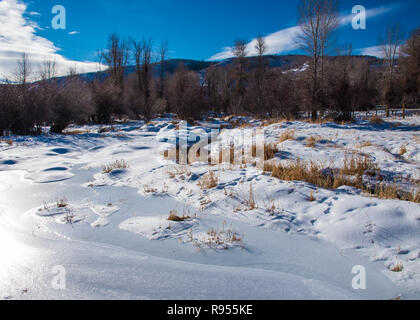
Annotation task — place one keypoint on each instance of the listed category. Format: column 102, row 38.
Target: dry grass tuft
column 312, row 141
column 365, row 144
column 270, row 151
column 397, row 268
column 62, row 203
column 173, row 216
column 118, row 164
column 287, row 135
column 386, row 192
column 249, row 201
column 357, row 165
column 351, row 174
column 9, row 141
column 209, row 181
column 376, row 120
column 299, row 170
column 311, row 197
column 222, row 237
column 75, row 132
column 149, row 189
column 240, row 124
column 403, row 150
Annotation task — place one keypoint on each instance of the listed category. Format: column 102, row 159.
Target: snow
column 114, row 239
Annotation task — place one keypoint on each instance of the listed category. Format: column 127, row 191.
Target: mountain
column 291, row 63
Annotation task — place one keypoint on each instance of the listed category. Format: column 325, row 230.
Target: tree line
column 333, row 83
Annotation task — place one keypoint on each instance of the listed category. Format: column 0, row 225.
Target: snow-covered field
column 250, row 236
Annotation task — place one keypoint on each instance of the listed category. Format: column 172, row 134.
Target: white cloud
column 370, row 13
column 286, row 40
column 280, row 41
column 18, row 35
column 74, row 32
column 375, row 51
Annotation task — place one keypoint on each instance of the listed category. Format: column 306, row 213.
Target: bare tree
column 390, row 44
column 163, row 52
column 319, row 20
column 261, row 46
column 143, row 61
column 184, row 93
column 116, row 57
column 24, row 70
column 240, row 53
column 48, row 69
column 410, row 69
column 260, row 71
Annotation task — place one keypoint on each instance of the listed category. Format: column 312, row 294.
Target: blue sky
column 196, row 29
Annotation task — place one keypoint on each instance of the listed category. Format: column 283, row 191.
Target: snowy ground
column 111, row 233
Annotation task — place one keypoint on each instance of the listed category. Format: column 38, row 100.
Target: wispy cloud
column 277, row 42
column 74, row 32
column 370, row 13
column 285, row 40
column 375, row 51
column 18, row 35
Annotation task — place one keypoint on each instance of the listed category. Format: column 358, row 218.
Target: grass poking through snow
column 118, row 164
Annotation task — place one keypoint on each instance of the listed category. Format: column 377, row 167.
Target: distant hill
column 284, row 62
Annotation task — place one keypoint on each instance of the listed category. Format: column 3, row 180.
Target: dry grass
column 182, row 171
column 208, row 181
column 311, row 141
column 270, row 122
column 149, row 189
column 118, row 164
column 240, row 124
column 8, row 142
column 76, row 132
column 222, row 237
column 270, row 151
column 311, row 197
column 357, row 165
column 365, row 144
column 270, row 205
column 311, row 172
column 62, row 203
column 173, row 216
column 386, row 192
column 287, row 135
column 349, row 175
column 249, row 201
column 376, row 120
column 397, row 268
column 70, row 217
column 403, row 150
